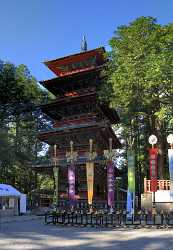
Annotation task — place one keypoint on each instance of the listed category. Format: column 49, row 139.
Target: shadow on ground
column 35, row 235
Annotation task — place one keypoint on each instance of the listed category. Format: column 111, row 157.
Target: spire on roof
column 84, row 44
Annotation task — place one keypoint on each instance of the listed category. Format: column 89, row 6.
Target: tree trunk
column 161, row 161
column 161, row 148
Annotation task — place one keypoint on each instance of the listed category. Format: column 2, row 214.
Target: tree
column 19, row 123
column 140, row 78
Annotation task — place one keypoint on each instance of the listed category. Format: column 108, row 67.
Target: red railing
column 161, row 185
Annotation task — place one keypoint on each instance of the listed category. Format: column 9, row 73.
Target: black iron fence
column 106, row 219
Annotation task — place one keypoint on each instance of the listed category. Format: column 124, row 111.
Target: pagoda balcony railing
column 63, row 161
column 74, row 126
column 68, row 127
column 41, row 163
column 161, row 185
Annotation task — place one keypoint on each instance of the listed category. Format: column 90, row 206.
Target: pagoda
column 78, row 116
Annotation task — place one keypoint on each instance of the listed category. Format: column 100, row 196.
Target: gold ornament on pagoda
column 71, row 155
column 110, row 153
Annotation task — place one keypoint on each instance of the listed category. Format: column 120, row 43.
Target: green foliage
column 46, row 182
column 19, row 96
column 140, row 75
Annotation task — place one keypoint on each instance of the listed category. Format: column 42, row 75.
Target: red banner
column 153, row 168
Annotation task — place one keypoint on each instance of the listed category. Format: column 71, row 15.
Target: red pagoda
column 79, row 116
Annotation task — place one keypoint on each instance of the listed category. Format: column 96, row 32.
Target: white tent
column 9, row 191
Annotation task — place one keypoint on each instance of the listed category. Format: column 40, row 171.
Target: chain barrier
column 105, row 219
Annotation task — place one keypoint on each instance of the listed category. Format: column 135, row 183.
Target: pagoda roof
column 59, row 85
column 77, row 62
column 52, row 108
column 111, row 113
column 52, row 136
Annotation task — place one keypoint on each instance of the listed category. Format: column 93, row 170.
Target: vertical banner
column 71, row 181
column 129, row 202
column 170, row 156
column 56, row 176
column 110, row 183
column 131, row 170
column 90, row 180
column 153, row 152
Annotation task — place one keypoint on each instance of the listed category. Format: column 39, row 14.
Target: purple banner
column 110, row 183
column 71, row 182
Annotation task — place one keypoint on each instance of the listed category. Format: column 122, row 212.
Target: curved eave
column 110, row 113
column 51, row 109
column 56, row 64
column 59, row 85
column 48, row 109
column 51, row 136
column 100, row 50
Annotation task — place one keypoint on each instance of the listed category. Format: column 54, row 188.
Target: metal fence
column 105, row 219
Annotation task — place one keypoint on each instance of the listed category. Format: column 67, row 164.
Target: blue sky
column 34, row 30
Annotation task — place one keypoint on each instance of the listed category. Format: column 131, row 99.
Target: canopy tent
column 7, row 190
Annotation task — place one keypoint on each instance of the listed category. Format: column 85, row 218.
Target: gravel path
column 34, row 235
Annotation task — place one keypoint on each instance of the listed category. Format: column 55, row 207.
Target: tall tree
column 140, row 78
column 19, row 120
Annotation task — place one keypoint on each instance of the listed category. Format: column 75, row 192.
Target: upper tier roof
column 60, row 85
column 77, row 63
